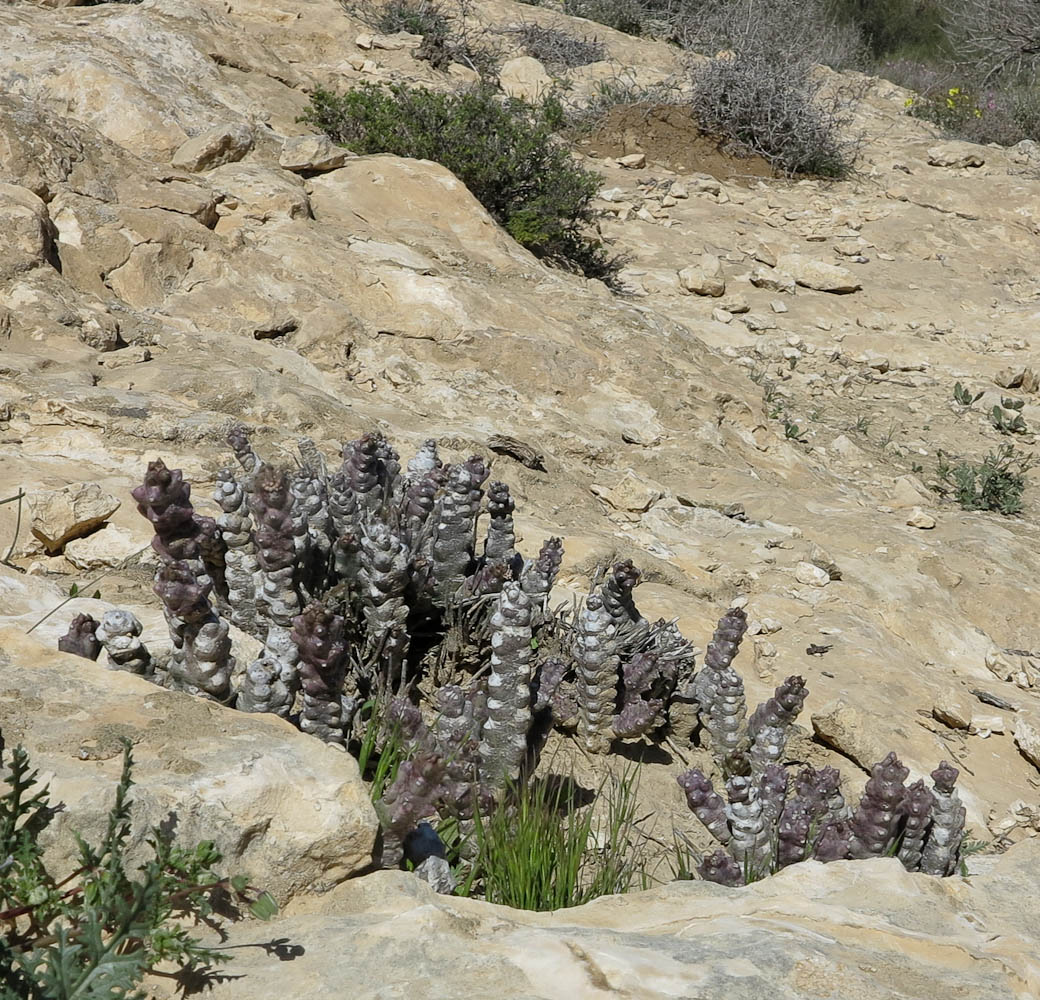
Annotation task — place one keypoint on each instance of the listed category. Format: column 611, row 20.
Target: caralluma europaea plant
column 771, row 818
column 392, row 615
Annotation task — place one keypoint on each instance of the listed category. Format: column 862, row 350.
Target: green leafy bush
column 997, row 483
column 504, row 152
column 95, row 933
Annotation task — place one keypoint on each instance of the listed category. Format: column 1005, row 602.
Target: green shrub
column 997, row 483
column 504, row 152
column 417, row 17
column 540, row 850
column 775, row 108
column 896, row 28
column 94, row 934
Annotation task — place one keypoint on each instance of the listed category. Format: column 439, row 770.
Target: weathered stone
column 631, row 494
column 303, row 154
column 217, row 145
column 704, row 278
column 871, row 926
column 633, row 161
column 772, row 279
column 261, row 193
column 817, row 274
column 810, row 575
column 26, row 230
column 956, row 154
column 953, row 709
column 56, row 516
column 284, row 808
column 840, row 725
column 106, row 548
column 1027, row 739
column 524, row 78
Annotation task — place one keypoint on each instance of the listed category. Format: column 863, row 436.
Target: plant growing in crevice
column 770, row 818
column 1007, row 418
column 97, row 931
column 996, row 483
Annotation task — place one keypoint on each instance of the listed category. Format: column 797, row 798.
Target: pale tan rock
column 840, row 725
column 735, row 304
column 907, row 491
column 918, row 518
column 631, row 494
column 956, row 154
column 56, row 516
column 953, row 708
column 220, row 144
column 704, row 278
column 108, row 547
column 817, row 274
column 26, row 230
column 820, row 557
column 311, row 154
column 1022, row 671
column 524, row 77
column 259, row 192
column 284, row 808
column 871, row 926
column 1027, row 739
column 811, row 575
column 773, row 280
column 632, row 161
column 722, row 315
column 984, row 724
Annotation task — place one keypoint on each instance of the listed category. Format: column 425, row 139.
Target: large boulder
column 285, row 809
column 854, row 929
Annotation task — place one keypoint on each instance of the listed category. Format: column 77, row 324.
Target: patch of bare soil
column 670, row 137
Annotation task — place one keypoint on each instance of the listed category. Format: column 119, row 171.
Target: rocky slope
column 179, row 255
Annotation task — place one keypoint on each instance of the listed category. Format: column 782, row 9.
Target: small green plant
column 951, row 111
column 997, row 483
column 539, row 850
column 862, row 425
column 793, row 432
column 504, row 152
column 1006, row 418
column 95, row 933
column 962, row 397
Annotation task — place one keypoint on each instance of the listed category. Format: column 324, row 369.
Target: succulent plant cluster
column 380, row 612
column 770, row 818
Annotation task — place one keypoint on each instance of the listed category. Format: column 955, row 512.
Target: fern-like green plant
column 95, row 933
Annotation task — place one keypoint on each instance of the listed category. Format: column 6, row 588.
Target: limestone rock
column 1027, row 739
column 772, row 279
column 304, row 154
column 631, row 494
column 633, row 161
column 843, row 727
column 704, row 278
column 817, row 274
column 918, row 518
column 261, row 193
column 220, row 144
column 26, row 229
column 861, row 929
column 284, row 808
column 524, row 77
column 106, row 548
column 953, row 709
column 1021, row 670
column 810, row 575
column 907, row 491
column 955, row 154
column 56, row 516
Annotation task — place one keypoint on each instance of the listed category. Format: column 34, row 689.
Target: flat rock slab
column 57, row 516
column 284, row 808
column 855, row 930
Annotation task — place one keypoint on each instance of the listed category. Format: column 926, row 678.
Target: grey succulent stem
column 726, row 716
column 119, row 633
column 240, row 563
column 201, row 662
column 721, row 651
column 597, row 662
column 941, row 851
column 749, row 844
column 383, row 577
column 876, row 819
column 319, row 637
column 455, row 533
column 264, row 687
column 616, row 593
column 917, row 807
column 706, row 804
column 501, row 537
column 503, row 743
